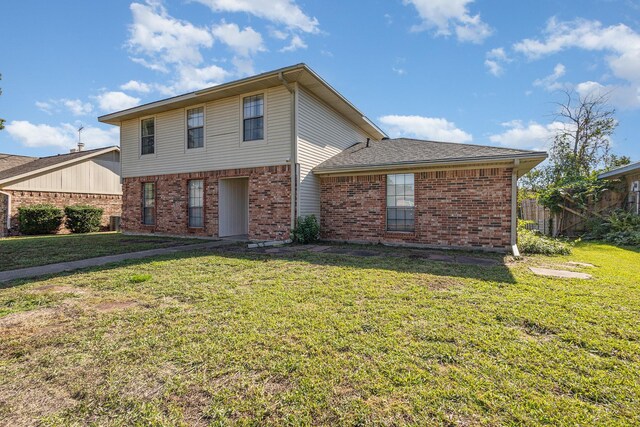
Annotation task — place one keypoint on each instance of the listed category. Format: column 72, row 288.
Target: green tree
column 583, row 144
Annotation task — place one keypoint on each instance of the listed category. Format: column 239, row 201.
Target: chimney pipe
column 80, row 146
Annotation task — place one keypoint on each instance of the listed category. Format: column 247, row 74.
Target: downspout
column 8, row 223
column 514, row 208
column 293, row 160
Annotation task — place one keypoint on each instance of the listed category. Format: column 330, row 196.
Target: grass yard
column 22, row 252
column 237, row 338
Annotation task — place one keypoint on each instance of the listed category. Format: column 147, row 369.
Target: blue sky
column 485, row 72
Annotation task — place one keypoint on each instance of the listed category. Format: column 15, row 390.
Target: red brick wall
column 269, row 202
column 112, row 204
column 456, row 208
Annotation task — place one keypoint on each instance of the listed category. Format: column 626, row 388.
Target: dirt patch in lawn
column 114, row 306
column 59, row 289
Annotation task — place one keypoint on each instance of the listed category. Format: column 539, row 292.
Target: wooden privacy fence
column 572, row 218
column 531, row 210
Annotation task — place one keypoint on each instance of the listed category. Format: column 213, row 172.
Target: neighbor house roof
column 299, row 73
column 623, row 170
column 406, row 153
column 8, row 161
column 41, row 164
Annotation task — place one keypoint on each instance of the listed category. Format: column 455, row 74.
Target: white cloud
column 116, row 101
column 285, row 12
column 296, row 43
column 620, row 44
column 64, row 135
column 194, row 78
column 451, row 16
column 244, row 42
column 136, row 86
column 45, row 107
column 619, row 41
column 75, row 106
column 165, row 39
column 622, row 96
column 432, row 128
column 495, row 59
column 399, row 71
column 550, row 82
column 532, row 136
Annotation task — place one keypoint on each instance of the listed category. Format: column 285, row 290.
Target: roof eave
column 624, row 170
column 538, row 157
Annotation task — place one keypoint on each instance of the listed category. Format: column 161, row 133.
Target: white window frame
column 264, row 118
column 155, row 136
column 186, row 129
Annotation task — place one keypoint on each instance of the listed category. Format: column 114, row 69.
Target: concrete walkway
column 42, row 270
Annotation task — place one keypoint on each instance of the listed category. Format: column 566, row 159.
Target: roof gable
column 37, row 165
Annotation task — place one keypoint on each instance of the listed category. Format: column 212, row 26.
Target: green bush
column 307, row 230
column 83, row 219
column 39, row 219
column 532, row 242
column 620, row 228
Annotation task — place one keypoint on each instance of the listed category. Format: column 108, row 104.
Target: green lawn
column 236, row 338
column 21, row 252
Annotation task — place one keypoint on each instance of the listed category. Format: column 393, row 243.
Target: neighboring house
column 90, row 177
column 630, row 175
column 248, row 157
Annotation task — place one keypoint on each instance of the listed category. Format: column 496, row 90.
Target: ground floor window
column 196, row 203
column 149, row 203
column 400, row 202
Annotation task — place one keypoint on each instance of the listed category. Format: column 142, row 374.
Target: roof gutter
column 293, row 162
column 444, row 162
column 620, row 171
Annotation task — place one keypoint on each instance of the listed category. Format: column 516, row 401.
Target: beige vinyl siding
column 223, row 149
column 322, row 133
column 98, row 175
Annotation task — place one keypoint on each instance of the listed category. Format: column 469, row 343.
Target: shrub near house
column 83, row 219
column 39, row 219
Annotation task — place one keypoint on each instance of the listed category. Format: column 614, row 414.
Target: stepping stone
column 580, row 264
column 561, row 274
column 476, row 261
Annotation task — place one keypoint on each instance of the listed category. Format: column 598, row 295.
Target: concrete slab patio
column 25, row 273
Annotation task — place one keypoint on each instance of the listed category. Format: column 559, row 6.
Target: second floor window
column 196, row 203
column 253, row 118
column 149, row 203
column 195, row 127
column 148, row 135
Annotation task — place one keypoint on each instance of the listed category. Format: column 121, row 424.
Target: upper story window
column 253, row 118
column 148, row 135
column 195, row 127
column 400, row 202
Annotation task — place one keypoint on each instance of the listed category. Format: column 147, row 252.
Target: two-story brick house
column 249, row 156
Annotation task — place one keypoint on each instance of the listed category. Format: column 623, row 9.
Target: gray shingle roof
column 43, row 162
column 395, row 152
column 8, row 161
column 622, row 170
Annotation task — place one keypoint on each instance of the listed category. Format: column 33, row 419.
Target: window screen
column 253, row 118
column 196, row 199
column 148, row 203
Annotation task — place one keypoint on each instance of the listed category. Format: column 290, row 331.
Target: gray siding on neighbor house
column 98, row 175
column 322, row 133
column 223, row 148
